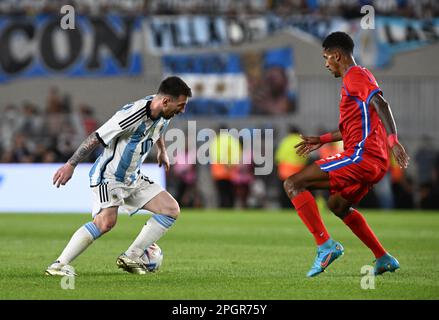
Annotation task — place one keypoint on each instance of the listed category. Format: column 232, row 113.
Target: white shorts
column 130, row 199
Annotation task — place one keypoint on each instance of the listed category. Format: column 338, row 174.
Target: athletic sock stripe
column 126, row 125
column 164, row 220
column 131, row 117
column 94, row 231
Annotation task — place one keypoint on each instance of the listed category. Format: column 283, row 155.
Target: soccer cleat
column 131, row 264
column 386, row 263
column 326, row 254
column 59, row 269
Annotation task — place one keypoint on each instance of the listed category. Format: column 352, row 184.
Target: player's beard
column 335, row 73
column 166, row 117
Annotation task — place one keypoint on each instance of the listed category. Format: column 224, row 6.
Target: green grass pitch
column 221, row 255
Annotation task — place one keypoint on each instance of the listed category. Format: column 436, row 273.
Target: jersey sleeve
column 361, row 85
column 128, row 117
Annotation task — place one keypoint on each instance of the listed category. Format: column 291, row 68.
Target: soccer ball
column 152, row 257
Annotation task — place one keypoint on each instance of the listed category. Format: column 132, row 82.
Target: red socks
column 361, row 229
column 308, row 211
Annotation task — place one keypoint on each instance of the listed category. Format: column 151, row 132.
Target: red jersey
column 362, row 131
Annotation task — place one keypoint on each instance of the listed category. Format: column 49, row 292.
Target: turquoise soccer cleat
column 326, row 254
column 386, row 263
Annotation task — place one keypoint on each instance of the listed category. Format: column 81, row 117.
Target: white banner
column 28, row 188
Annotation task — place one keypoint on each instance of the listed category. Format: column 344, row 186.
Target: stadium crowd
column 345, row 8
column 30, row 134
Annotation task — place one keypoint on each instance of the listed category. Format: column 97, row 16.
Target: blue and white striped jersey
column 128, row 137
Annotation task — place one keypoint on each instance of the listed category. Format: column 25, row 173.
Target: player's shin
column 81, row 239
column 308, row 211
column 357, row 223
column 151, row 232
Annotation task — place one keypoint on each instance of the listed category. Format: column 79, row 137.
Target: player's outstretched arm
column 385, row 113
column 63, row 175
column 311, row 143
column 162, row 155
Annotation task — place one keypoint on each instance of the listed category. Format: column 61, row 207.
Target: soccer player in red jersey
column 368, row 131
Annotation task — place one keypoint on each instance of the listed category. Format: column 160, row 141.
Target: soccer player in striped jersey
column 116, row 180
column 368, row 131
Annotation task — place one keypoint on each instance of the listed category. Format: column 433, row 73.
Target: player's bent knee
column 338, row 209
column 292, row 185
column 173, row 210
column 104, row 224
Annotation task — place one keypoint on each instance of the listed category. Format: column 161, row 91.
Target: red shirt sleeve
column 361, row 84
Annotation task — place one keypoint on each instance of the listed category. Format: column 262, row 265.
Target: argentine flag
column 218, row 83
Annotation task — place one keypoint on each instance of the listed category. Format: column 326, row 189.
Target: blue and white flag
column 221, row 82
column 218, row 82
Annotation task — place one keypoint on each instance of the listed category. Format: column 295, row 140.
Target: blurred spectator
column 67, row 143
column 28, row 135
column 402, row 186
column 55, row 118
column 20, row 149
column 11, row 122
column 32, row 122
column 242, row 176
column 288, row 162
column 425, row 159
column 89, row 122
column 435, row 191
column 185, row 173
column 384, row 192
column 225, row 154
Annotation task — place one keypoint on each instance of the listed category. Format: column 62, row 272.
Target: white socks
column 80, row 241
column 152, row 231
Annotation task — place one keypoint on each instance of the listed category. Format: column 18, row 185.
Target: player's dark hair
column 339, row 40
column 174, row 87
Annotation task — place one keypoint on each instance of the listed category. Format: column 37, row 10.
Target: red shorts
column 352, row 179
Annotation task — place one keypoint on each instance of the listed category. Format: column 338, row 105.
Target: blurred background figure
column 425, row 159
column 402, row 187
column 225, row 156
column 242, row 176
column 288, row 162
column 184, row 174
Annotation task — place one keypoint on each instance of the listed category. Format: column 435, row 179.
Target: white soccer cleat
column 131, row 264
column 59, row 269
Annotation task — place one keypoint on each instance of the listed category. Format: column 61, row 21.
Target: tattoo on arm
column 84, row 149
